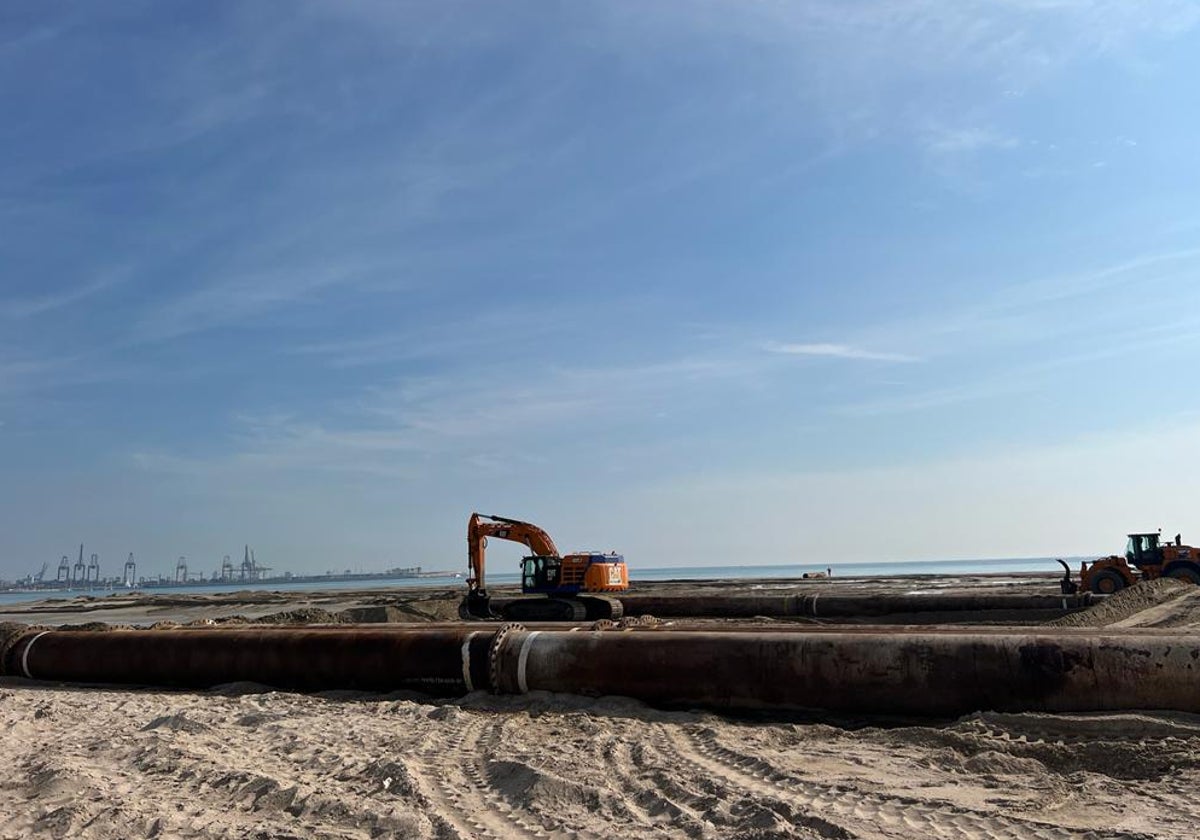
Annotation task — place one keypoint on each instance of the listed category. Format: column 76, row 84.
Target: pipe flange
column 633, row 622
column 494, row 653
column 10, row 636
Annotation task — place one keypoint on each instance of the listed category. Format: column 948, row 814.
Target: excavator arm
column 481, row 526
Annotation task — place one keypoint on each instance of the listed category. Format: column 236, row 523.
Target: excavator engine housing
column 575, row 573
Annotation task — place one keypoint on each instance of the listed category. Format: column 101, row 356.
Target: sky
column 708, row 283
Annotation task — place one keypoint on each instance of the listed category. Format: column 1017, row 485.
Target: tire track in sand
column 661, row 800
column 713, row 773
column 1140, row 729
column 866, row 813
column 453, row 776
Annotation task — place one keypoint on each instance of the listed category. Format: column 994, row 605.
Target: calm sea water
column 937, row 567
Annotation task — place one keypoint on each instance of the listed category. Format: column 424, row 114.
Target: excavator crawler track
column 577, row 608
column 545, row 609
column 599, row 607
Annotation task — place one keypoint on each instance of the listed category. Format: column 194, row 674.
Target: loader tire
column 1106, row 582
column 1185, row 572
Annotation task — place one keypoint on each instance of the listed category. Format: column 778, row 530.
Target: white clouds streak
column 232, row 301
column 32, row 306
column 960, row 141
column 1019, row 502
column 888, row 68
column 458, row 421
column 837, row 351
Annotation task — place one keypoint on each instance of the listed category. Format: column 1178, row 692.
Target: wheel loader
column 1146, row 558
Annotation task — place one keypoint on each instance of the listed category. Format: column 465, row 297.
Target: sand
column 149, row 608
column 246, row 762
column 1164, row 602
column 115, row 763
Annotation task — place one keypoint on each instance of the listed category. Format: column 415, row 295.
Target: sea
column 873, row 569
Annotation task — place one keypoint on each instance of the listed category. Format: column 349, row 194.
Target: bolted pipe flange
column 10, row 636
column 494, row 653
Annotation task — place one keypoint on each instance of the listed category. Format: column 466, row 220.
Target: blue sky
column 708, row 283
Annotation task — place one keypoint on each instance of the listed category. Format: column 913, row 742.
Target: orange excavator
column 566, row 584
column 1145, row 559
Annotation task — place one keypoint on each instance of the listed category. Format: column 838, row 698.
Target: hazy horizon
column 711, row 283
column 508, row 568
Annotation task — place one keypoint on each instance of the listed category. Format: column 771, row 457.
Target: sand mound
column 1181, row 611
column 88, row 627
column 1126, row 603
column 304, row 615
column 178, row 722
column 382, row 614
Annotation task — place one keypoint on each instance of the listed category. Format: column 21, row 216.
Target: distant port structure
column 87, row 575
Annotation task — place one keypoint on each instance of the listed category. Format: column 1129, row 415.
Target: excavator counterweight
column 571, row 587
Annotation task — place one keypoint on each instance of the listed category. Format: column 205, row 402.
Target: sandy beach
column 109, row 763
column 243, row 760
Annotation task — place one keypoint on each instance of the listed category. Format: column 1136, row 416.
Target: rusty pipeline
column 439, row 662
column 820, row 605
column 702, row 626
column 895, row 673
column 914, row 671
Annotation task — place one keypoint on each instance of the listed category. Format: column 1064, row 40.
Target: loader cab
column 1143, row 550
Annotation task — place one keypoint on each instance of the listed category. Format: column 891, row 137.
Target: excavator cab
column 1143, row 550
column 540, row 574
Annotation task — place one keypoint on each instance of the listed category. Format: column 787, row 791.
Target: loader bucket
column 1069, row 587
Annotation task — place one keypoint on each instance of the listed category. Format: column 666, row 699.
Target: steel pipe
column 896, row 673
column 819, row 605
column 442, row 662
column 690, row 626
column 909, row 671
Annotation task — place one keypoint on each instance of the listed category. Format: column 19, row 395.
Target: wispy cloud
column 21, row 376
column 937, row 398
column 865, row 68
column 457, row 420
column 18, row 374
column 32, row 306
column 447, row 338
column 1041, row 291
column 837, row 351
column 234, row 300
column 963, row 141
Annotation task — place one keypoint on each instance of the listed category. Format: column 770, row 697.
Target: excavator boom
column 482, row 526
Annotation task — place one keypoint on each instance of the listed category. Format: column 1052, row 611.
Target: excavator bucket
column 476, row 606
